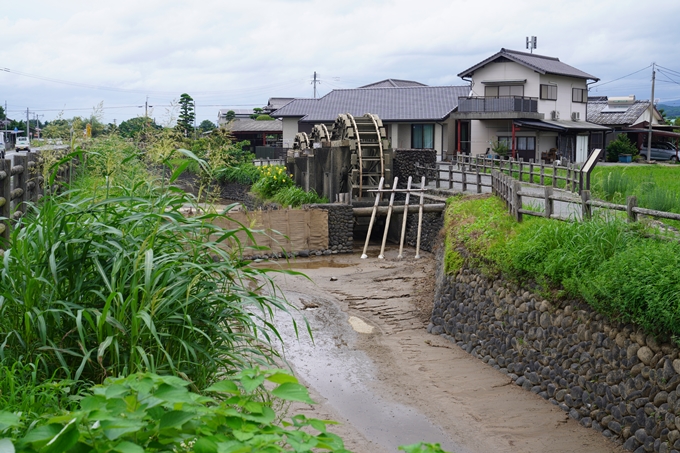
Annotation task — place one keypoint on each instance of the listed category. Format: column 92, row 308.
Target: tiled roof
column 394, row 83
column 539, row 63
column 277, row 103
column 248, row 125
column 390, row 104
column 596, row 115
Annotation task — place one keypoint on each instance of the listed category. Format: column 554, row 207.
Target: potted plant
column 500, row 149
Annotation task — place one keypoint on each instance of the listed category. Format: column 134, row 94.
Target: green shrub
column 296, row 196
column 246, row 174
column 272, row 179
column 90, row 289
column 147, row 412
column 620, row 145
column 614, row 186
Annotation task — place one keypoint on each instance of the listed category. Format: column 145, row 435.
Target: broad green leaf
column 8, row 420
column 175, row 419
column 173, row 394
column 282, row 378
column 205, row 445
column 113, row 429
column 6, row 446
column 41, row 435
column 224, row 387
column 293, row 392
column 253, row 407
column 242, row 436
column 128, row 447
column 115, row 391
column 64, row 440
column 249, row 384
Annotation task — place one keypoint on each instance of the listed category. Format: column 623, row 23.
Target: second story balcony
column 481, row 107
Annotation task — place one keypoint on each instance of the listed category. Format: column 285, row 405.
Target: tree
column 620, row 145
column 206, row 126
column 257, row 112
column 185, row 122
column 230, row 115
column 134, row 126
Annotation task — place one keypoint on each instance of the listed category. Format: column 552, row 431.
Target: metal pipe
column 387, row 221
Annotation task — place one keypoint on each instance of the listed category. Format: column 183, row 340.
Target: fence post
column 542, row 172
column 479, row 181
column 520, row 169
column 5, row 188
column 554, row 178
column 586, row 211
column 517, row 200
column 631, row 202
column 463, row 176
column 437, row 184
column 547, row 194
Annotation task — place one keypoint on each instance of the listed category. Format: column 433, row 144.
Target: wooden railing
column 472, row 168
column 515, row 193
column 21, row 183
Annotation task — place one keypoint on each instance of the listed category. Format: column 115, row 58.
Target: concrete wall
column 608, row 376
column 290, row 128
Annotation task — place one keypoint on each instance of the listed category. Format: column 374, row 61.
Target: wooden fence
column 472, row 168
column 515, row 193
column 22, row 182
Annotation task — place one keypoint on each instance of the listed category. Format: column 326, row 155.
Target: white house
column 533, row 103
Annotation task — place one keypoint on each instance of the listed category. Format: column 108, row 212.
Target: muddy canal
column 374, row 368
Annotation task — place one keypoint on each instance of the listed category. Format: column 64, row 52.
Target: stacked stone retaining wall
column 608, row 376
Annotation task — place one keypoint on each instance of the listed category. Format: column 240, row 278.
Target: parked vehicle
column 22, row 143
column 2, row 147
column 661, row 151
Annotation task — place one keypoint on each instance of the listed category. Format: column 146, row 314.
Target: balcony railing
column 501, row 104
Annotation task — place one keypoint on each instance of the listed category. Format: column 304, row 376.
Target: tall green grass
column 94, row 288
column 655, row 186
column 612, row 265
column 296, row 196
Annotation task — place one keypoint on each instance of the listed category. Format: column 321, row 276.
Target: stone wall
column 432, row 224
column 406, row 162
column 340, row 227
column 610, row 377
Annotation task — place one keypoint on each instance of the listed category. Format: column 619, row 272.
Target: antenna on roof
column 531, row 43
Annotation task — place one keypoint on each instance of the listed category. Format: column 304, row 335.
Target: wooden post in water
column 387, row 220
column 375, row 210
column 420, row 216
column 403, row 222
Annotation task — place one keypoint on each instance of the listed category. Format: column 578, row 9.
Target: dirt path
column 374, row 368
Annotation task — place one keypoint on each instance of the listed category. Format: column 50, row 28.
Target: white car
column 22, row 144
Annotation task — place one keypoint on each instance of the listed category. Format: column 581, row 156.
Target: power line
column 612, row 81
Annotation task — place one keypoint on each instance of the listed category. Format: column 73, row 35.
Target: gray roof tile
column 390, row 104
column 539, row 63
column 627, row 118
column 248, row 125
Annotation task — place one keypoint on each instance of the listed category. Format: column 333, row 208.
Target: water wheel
column 365, row 136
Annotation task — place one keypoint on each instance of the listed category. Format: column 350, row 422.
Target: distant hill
column 671, row 110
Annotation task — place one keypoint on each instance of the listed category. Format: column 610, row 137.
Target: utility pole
column 651, row 116
column 28, row 127
column 315, row 81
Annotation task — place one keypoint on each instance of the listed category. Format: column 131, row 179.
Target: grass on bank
column 610, row 264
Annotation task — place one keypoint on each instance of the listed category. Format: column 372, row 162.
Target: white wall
column 563, row 104
column 506, row 71
column 290, row 128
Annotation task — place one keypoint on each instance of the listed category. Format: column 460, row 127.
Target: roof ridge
column 517, row 52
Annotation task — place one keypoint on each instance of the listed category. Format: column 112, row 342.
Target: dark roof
column 276, row 103
column 595, row 113
column 539, row 63
column 394, row 83
column 390, row 104
column 248, row 125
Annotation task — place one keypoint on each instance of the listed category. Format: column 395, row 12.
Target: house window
column 579, row 95
column 503, row 91
column 422, row 136
column 523, row 143
column 549, row 92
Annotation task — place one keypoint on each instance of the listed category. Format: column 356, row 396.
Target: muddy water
column 344, row 375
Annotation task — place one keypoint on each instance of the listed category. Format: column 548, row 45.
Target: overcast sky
column 69, row 56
